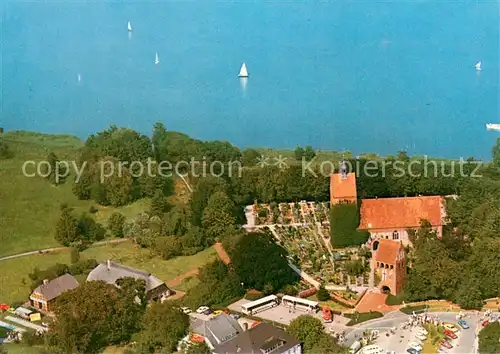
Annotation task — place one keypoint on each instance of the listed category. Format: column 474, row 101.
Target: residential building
column 44, row 296
column 389, row 264
column 261, row 339
column 390, row 218
column 216, row 330
column 110, row 272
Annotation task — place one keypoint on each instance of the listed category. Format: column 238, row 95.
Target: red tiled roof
column 343, row 188
column 387, row 251
column 396, row 213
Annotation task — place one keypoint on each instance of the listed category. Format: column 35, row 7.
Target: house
column 389, row 263
column 44, row 296
column 262, row 339
column 110, row 272
column 216, row 330
column 343, row 187
column 390, row 218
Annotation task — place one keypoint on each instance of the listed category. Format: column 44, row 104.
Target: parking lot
column 398, row 342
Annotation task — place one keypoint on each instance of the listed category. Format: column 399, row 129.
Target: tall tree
column 218, row 215
column 489, row 339
column 66, row 227
column 116, row 223
column 162, row 327
column 199, row 198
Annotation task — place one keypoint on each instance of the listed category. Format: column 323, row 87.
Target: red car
column 485, row 323
column 446, row 344
column 449, row 334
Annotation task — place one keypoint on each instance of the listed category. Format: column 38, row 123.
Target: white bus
column 299, row 303
column 260, row 305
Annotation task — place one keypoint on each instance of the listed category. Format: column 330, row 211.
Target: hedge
column 410, row 309
column 359, row 317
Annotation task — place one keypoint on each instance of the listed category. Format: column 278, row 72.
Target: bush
column 417, row 309
column 75, row 255
column 323, row 294
column 93, row 209
column 359, row 317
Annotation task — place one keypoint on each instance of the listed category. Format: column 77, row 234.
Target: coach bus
column 260, row 305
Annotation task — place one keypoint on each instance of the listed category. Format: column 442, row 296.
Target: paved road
column 48, row 250
column 465, row 343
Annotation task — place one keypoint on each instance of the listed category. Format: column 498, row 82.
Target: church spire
column 343, row 169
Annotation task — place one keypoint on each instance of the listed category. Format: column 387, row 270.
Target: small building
column 110, row 272
column 216, row 330
column 390, row 218
column 44, row 296
column 389, row 263
column 263, row 339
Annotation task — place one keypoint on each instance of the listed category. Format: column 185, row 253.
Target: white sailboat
column 493, row 126
column 79, row 77
column 129, row 27
column 157, row 59
column 243, row 71
column 478, row 66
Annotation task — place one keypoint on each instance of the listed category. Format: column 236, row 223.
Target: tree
column 218, row 215
column 199, row 198
column 495, row 152
column 195, row 348
column 93, row 316
column 159, row 203
column 116, row 223
column 88, row 229
column 323, row 294
column 299, row 153
column 162, row 327
column 168, row 246
column 5, row 151
column 260, row 249
column 327, row 344
column 309, row 153
column 250, row 157
column 66, row 227
column 489, row 339
column 307, row 329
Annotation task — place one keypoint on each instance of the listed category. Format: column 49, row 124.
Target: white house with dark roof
column 110, row 272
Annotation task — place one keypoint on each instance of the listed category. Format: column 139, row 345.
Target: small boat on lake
column 478, row 66
column 243, row 71
column 492, row 126
column 129, row 27
column 157, row 59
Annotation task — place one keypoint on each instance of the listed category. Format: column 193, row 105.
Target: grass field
column 30, row 206
column 15, row 282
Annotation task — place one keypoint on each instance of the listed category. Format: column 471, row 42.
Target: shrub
column 323, row 294
column 93, row 209
column 417, row 309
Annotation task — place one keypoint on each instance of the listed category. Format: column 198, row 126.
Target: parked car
column 449, row 334
column 216, row 313
column 235, row 316
column 446, row 344
column 420, row 336
column 450, row 327
column 485, row 323
column 463, row 324
column 422, row 330
column 412, row 351
column 415, row 346
column 186, row 310
column 202, row 309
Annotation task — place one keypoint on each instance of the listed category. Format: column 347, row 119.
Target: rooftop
column 343, row 188
column 388, row 251
column 257, row 340
column 218, row 329
column 110, row 272
column 397, row 213
column 57, row 286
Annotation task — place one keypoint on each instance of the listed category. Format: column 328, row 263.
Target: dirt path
column 176, row 281
column 224, row 257
column 54, row 249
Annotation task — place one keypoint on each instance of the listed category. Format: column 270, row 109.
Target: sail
column 478, row 65
column 129, row 26
column 157, row 60
column 243, row 71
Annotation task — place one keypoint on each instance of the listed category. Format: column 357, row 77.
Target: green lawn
column 15, row 283
column 360, row 317
column 22, row 349
column 188, row 284
column 30, row 206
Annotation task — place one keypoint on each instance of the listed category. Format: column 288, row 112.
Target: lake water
column 362, row 76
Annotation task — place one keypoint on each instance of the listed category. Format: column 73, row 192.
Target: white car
column 202, row 309
column 423, row 331
column 415, row 346
column 186, row 310
column 420, row 336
